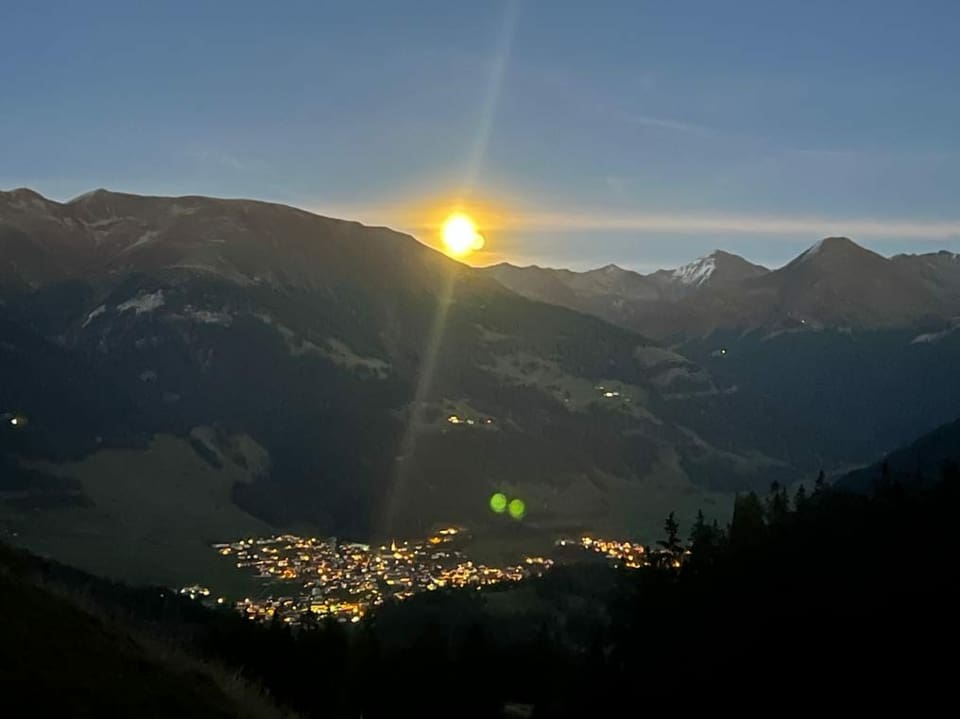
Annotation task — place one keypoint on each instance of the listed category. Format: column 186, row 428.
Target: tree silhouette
column 705, row 541
column 800, row 499
column 672, row 529
column 747, row 526
column 778, row 506
column 820, row 486
column 700, row 529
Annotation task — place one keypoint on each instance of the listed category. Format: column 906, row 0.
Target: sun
column 460, row 235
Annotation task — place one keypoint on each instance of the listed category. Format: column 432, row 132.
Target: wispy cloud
column 594, row 220
column 666, row 123
column 782, row 226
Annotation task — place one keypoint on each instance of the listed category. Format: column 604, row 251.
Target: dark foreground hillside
column 63, row 653
column 826, row 598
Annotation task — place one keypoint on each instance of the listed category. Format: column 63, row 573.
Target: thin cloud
column 666, row 123
column 601, row 221
column 594, row 221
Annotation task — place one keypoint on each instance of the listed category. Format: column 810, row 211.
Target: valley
column 190, row 370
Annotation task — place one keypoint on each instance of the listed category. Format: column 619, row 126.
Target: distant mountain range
column 623, row 296
column 180, row 371
column 853, row 352
column 836, row 283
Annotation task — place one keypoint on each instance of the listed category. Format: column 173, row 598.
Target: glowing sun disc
column 460, row 236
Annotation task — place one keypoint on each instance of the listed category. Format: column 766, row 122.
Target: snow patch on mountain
column 812, row 250
column 93, row 315
column 934, row 337
column 341, row 353
column 146, row 238
column 697, row 272
column 143, row 302
column 210, row 317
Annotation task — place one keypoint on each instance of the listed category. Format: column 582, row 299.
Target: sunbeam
column 428, row 365
column 408, row 442
column 491, row 100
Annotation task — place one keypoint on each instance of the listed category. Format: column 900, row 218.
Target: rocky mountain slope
column 836, row 283
column 623, row 296
column 837, row 357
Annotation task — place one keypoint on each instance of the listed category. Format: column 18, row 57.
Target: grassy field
column 155, row 514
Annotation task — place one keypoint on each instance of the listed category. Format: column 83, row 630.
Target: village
column 345, row 580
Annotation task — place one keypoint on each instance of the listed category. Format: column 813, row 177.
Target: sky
column 644, row 133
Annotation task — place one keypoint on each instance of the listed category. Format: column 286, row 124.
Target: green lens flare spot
column 517, row 508
column 498, row 502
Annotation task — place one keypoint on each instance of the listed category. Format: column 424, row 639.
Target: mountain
column 922, row 461
column 604, row 292
column 840, row 284
column 623, row 296
column 834, row 284
column 718, row 269
column 859, row 347
column 832, row 360
column 940, row 271
column 191, row 370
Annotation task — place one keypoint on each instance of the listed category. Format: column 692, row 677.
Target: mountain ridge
column 921, row 462
column 834, row 283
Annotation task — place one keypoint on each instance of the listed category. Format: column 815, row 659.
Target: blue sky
column 638, row 132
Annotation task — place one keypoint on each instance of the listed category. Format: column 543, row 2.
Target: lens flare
column 498, row 503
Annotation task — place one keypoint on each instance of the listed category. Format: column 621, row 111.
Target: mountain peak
column 835, row 252
column 697, row 272
column 22, row 192
column 24, row 198
column 833, row 244
column 91, row 195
